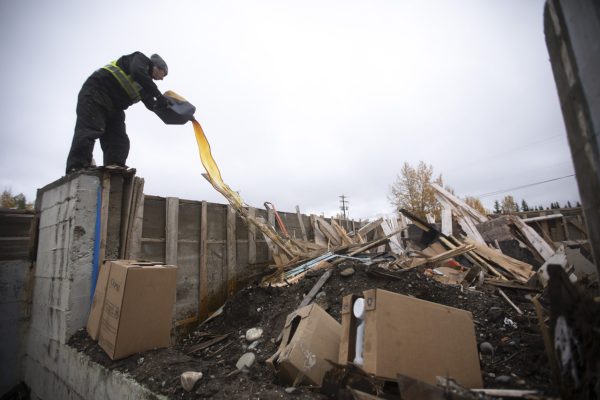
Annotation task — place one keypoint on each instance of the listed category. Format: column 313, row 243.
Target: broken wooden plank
column 329, row 232
column 458, row 203
column 133, row 248
column 538, row 243
column 453, row 252
column 301, row 223
column 251, row 237
column 208, row 343
column 509, row 301
column 542, row 218
column 369, row 227
column 171, row 230
column 388, row 225
column 319, row 237
column 315, row 289
column 231, row 251
column 510, row 285
column 514, row 393
column 519, row 269
column 447, row 221
column 202, row 264
column 341, row 232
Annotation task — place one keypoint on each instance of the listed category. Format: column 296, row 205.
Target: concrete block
column 75, row 376
column 50, row 320
column 52, row 264
column 51, row 292
column 78, row 313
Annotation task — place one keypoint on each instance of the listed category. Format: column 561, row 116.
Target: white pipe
column 359, row 313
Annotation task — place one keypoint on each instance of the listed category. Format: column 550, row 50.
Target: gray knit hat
column 158, row 62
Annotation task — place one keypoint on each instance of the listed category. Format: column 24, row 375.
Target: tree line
column 15, row 202
column 412, row 190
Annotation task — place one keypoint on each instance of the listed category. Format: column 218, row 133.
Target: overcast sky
column 302, row 101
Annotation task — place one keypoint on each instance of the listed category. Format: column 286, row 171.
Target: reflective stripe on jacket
column 127, row 83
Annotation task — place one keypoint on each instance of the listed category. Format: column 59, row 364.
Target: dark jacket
column 140, row 68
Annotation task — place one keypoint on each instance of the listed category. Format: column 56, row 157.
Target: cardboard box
column 93, row 324
column 310, row 337
column 412, row 337
column 138, row 307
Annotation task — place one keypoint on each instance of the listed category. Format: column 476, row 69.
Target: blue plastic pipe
column 95, row 261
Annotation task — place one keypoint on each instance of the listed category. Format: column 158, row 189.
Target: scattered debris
column 253, row 334
column 189, row 379
column 445, row 268
column 246, row 361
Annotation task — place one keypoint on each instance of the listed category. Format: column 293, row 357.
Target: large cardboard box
column 93, row 324
column 138, row 307
column 310, row 337
column 412, row 337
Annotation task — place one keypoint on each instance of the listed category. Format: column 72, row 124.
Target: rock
column 189, row 379
column 321, row 300
column 347, row 272
column 495, row 314
column 254, row 345
column 140, row 361
column 245, row 361
column 253, row 334
column 504, row 379
column 290, row 390
column 486, row 348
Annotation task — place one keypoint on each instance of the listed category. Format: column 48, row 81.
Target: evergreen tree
column 524, row 205
column 569, row 204
column 497, row 208
column 578, row 204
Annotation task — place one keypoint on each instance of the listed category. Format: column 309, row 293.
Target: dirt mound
column 513, row 357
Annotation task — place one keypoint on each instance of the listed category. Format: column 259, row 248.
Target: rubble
column 453, row 269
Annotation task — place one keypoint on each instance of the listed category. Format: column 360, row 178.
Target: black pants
column 97, row 119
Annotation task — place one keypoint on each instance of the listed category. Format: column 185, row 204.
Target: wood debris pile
column 455, row 253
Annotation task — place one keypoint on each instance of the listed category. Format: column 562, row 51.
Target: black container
column 178, row 112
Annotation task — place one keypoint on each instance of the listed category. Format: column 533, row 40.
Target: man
column 101, row 103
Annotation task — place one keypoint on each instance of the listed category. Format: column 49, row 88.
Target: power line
column 523, row 186
column 512, row 150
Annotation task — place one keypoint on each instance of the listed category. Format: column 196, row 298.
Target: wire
column 523, row 186
column 511, row 150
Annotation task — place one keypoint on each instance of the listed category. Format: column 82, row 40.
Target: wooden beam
column 538, row 243
column 542, row 218
column 133, row 250
column 447, row 221
column 126, row 210
column 364, row 231
column 329, row 232
column 320, row 239
column 301, row 223
column 251, row 237
column 104, row 216
column 172, row 230
column 231, row 251
column 520, row 270
column 202, row 267
column 271, row 221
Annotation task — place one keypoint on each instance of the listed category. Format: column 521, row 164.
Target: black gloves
column 161, row 103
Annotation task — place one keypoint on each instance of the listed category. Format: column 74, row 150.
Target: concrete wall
column 572, row 29
column 15, row 293
column 62, row 280
column 235, row 252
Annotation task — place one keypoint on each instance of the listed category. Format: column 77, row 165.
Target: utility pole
column 344, row 206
